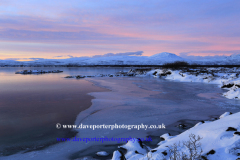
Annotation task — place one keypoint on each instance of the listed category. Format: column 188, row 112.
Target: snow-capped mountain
column 166, row 56
column 157, row 59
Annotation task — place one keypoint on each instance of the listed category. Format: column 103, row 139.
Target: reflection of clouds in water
column 30, row 105
column 128, row 103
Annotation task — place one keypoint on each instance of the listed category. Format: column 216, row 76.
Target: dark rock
column 228, row 85
column 130, row 74
column 166, row 73
column 211, row 152
column 163, row 139
column 204, row 158
column 138, row 152
column 155, row 73
column 213, row 119
column 140, row 142
column 79, row 76
column 122, row 157
column 203, row 71
column 181, row 74
column 153, row 151
column 236, row 133
column 231, row 129
column 69, row 77
column 164, row 153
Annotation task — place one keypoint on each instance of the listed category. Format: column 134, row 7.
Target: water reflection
column 31, row 105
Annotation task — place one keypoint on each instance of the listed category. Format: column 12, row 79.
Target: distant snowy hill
column 157, row 59
column 166, row 56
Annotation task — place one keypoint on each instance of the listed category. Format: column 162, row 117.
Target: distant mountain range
column 157, row 59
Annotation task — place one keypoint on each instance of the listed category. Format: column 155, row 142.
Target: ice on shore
column 226, row 78
column 225, row 114
column 233, row 93
column 102, row 153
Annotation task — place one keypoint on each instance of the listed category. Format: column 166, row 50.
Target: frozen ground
column 139, row 100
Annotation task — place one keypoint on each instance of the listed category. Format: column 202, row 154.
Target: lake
column 32, row 105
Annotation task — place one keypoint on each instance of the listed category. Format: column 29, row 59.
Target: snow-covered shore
column 226, row 78
column 213, row 140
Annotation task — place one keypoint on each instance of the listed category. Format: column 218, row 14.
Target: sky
column 75, row 28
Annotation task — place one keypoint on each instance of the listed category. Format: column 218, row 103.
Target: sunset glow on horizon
column 63, row 29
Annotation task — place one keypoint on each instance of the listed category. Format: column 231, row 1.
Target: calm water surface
column 31, row 105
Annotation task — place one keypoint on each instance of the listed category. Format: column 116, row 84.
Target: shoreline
column 15, row 147
column 120, row 105
column 173, row 128
column 73, row 133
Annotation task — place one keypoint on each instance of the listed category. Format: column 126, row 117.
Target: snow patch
column 213, row 140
